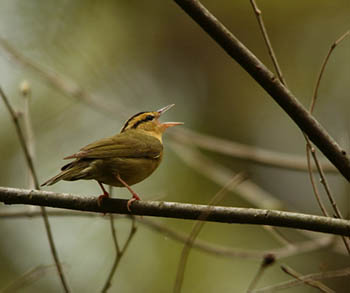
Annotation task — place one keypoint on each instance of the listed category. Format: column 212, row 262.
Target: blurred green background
column 142, row 55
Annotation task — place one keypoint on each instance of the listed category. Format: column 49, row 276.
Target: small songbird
column 123, row 159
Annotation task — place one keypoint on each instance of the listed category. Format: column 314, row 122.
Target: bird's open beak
column 164, row 109
column 166, row 125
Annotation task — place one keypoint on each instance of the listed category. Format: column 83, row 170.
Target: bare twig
column 197, row 227
column 306, row 122
column 310, row 282
column 325, row 184
column 37, row 186
column 312, row 180
column 267, row 42
column 28, row 131
column 297, row 282
column 323, row 67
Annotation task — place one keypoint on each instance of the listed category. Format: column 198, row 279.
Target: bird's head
column 148, row 121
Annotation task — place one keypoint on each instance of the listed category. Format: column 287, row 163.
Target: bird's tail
column 75, row 170
column 55, row 179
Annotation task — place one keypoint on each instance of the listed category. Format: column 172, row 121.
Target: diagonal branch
column 177, row 210
column 233, row 47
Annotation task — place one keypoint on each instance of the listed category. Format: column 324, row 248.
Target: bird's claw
column 131, row 200
column 101, row 197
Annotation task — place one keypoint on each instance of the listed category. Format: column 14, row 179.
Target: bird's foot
column 131, row 200
column 101, row 197
column 134, row 194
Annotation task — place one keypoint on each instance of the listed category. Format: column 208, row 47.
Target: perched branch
column 177, row 210
column 233, row 47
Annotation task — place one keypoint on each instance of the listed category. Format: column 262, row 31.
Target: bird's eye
column 149, row 117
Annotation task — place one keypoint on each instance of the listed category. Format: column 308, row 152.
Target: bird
column 121, row 160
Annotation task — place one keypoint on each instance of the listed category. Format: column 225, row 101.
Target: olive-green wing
column 130, row 145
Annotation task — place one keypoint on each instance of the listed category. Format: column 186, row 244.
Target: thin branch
column 323, row 67
column 30, row 163
column 21, row 137
column 267, row 42
column 177, row 210
column 233, row 47
column 297, row 282
column 312, row 180
column 310, row 282
column 28, row 131
column 325, row 184
column 197, row 227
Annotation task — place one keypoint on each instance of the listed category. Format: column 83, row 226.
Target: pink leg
column 134, row 194
column 104, row 195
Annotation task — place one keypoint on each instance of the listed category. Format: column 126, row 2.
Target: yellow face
column 148, row 121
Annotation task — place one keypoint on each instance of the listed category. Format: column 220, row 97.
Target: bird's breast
column 131, row 170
